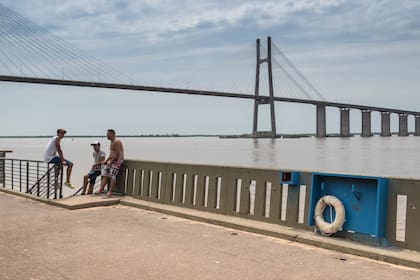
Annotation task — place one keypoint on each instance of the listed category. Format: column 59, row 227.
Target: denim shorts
column 93, row 174
column 57, row 160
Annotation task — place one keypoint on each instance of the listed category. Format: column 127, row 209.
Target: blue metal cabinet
column 364, row 199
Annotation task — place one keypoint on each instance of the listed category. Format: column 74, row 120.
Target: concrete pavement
column 388, row 254
column 40, row 241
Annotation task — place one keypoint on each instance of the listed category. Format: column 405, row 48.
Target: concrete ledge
column 392, row 255
column 87, row 201
column 31, row 197
column 71, row 203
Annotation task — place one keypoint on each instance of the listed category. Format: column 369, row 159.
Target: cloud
column 156, row 20
column 363, row 49
column 140, row 34
column 151, row 22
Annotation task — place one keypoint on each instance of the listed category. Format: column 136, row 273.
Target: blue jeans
column 92, row 175
column 57, row 160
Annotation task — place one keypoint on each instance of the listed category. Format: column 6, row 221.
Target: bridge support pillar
column 417, row 125
column 403, row 125
column 321, row 126
column 267, row 100
column 344, row 122
column 366, row 123
column 385, row 124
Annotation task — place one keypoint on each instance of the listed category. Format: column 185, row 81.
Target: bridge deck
column 41, row 241
column 33, row 80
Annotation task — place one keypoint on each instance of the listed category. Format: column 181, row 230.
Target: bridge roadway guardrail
column 259, row 100
column 34, row 80
column 379, row 210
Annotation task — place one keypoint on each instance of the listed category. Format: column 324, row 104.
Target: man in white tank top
column 50, row 155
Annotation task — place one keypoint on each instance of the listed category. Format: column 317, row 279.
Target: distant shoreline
column 162, row 136
column 223, row 136
column 103, row 136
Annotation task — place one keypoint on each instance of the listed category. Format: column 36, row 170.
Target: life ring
column 340, row 215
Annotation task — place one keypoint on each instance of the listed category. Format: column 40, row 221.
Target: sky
column 362, row 52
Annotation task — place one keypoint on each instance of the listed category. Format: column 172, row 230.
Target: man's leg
column 90, row 190
column 69, row 168
column 57, row 172
column 103, row 183
column 114, row 170
column 112, row 185
column 85, row 182
column 91, row 179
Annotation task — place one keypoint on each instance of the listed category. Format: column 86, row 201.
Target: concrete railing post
column 344, row 122
column 121, row 180
column 321, row 127
column 2, row 170
column 385, row 124
column 366, row 123
column 416, row 125
column 403, row 125
column 3, row 167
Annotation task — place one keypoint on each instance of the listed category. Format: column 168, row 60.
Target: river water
column 377, row 156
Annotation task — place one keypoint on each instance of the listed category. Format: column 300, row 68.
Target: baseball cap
column 95, row 143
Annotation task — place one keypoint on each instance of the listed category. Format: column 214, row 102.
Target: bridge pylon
column 264, row 100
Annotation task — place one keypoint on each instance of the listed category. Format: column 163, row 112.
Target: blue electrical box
column 364, row 199
column 289, row 177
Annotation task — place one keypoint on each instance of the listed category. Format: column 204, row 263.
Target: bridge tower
column 264, row 100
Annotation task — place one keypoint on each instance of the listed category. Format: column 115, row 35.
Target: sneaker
column 70, row 185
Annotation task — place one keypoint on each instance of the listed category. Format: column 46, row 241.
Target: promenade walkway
column 40, row 241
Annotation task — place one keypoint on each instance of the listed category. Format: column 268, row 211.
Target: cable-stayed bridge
column 31, row 54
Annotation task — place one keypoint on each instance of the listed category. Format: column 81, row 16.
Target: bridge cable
column 20, row 61
column 47, row 46
column 5, row 65
column 288, row 92
column 10, row 60
column 290, row 89
column 277, row 49
column 69, row 50
column 26, row 47
column 63, row 55
column 275, row 62
column 44, row 45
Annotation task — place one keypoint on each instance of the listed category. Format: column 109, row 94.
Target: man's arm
column 60, row 152
column 109, row 159
column 106, row 160
column 100, row 162
column 120, row 150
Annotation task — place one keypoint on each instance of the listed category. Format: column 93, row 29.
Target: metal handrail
column 30, row 176
column 57, row 171
column 95, row 187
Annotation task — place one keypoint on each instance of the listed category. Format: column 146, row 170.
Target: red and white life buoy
column 340, row 215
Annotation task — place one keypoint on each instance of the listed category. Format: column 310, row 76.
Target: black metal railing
column 95, row 186
column 33, row 177
column 2, row 171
